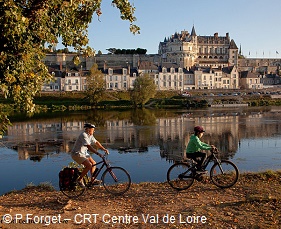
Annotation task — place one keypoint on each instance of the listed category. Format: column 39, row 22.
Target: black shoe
column 96, row 182
column 199, row 177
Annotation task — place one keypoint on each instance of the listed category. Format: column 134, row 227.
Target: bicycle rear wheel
column 224, row 174
column 116, row 180
column 180, row 176
column 73, row 191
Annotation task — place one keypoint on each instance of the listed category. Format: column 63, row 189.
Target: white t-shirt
column 81, row 143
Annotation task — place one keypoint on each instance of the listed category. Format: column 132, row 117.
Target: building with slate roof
column 188, row 49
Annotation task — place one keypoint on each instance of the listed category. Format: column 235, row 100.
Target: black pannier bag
column 67, row 178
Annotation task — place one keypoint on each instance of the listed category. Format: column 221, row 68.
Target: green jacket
column 195, row 145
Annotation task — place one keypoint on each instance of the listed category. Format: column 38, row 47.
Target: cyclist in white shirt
column 80, row 153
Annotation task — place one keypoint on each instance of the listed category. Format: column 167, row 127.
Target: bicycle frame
column 223, row 173
column 106, row 164
column 208, row 160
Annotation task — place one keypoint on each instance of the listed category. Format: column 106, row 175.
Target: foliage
column 27, row 26
column 144, row 89
column 4, row 123
column 95, row 85
column 127, row 51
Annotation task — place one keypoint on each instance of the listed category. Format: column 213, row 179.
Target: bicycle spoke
column 116, row 180
column 224, row 174
column 180, row 176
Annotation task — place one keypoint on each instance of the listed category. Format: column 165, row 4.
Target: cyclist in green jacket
column 195, row 145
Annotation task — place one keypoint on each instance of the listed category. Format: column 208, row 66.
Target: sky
column 254, row 25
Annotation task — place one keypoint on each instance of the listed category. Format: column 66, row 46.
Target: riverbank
column 254, row 202
column 76, row 101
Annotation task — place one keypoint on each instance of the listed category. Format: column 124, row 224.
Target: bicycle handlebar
column 214, row 150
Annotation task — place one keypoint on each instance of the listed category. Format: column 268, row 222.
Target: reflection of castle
column 171, row 133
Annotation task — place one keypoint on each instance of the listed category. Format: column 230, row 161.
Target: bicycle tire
column 74, row 190
column 116, row 180
column 180, row 182
column 228, row 177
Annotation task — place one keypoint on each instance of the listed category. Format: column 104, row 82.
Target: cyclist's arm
column 100, row 146
column 202, row 145
column 93, row 150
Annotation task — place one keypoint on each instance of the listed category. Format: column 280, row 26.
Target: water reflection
column 138, row 129
column 137, row 132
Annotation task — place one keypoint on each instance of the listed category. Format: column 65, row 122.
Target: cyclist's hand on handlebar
column 214, row 148
column 106, row 151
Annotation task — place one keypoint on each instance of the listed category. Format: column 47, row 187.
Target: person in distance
column 80, row 153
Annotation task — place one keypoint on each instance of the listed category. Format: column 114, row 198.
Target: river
column 144, row 142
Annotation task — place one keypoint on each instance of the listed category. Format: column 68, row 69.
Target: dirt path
column 254, row 202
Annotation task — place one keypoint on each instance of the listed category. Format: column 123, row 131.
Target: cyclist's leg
column 93, row 167
column 82, row 160
column 202, row 157
column 87, row 166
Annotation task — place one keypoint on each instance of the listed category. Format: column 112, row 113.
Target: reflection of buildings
column 171, row 133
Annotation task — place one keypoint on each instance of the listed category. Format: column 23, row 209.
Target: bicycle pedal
column 201, row 171
column 199, row 179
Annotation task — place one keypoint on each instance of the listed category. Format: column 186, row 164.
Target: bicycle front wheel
column 180, row 176
column 116, row 180
column 224, row 174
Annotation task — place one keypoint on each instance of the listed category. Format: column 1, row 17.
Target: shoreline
column 254, row 202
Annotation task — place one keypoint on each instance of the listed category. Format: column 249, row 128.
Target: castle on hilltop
column 184, row 61
column 187, row 50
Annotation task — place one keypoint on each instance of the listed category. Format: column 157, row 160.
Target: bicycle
column 223, row 173
column 115, row 180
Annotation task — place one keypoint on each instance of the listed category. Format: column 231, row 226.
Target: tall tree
column 144, row 89
column 95, row 84
column 27, row 26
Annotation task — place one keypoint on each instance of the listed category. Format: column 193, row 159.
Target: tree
column 144, row 89
column 95, row 84
column 27, row 26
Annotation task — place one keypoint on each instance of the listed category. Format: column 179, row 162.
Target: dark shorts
column 196, row 155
